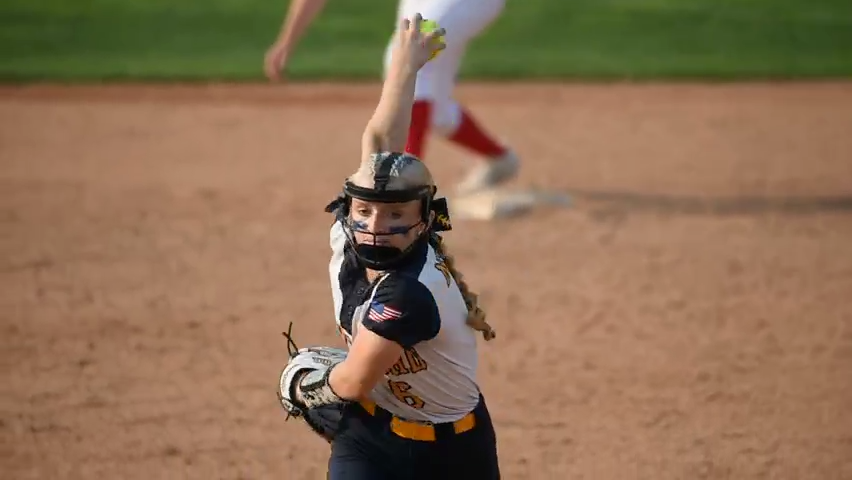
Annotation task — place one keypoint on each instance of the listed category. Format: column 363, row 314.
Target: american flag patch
column 380, row 312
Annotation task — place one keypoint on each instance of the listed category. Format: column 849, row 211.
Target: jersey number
column 400, row 391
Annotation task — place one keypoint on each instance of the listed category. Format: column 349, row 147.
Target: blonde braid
column 475, row 316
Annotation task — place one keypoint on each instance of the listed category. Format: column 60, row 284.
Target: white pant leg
column 463, row 20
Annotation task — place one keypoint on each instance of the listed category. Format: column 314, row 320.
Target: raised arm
column 299, row 16
column 387, row 130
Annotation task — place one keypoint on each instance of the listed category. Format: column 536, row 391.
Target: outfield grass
column 225, row 39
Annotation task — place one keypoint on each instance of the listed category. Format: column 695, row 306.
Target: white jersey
column 421, row 307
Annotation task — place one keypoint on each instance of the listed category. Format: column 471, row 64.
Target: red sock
column 471, row 136
column 421, row 118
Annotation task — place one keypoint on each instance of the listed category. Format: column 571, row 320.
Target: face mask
column 374, row 255
column 384, row 257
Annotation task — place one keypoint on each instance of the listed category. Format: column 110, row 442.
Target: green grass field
column 84, row 40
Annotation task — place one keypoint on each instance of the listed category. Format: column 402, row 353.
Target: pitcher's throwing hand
column 415, row 46
column 435, row 109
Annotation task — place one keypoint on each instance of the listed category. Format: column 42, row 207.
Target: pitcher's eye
column 396, row 215
column 364, row 212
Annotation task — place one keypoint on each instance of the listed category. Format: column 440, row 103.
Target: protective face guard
column 381, row 257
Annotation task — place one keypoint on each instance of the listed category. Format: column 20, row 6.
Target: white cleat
column 490, row 173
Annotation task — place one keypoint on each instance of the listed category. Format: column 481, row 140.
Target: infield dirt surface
column 684, row 320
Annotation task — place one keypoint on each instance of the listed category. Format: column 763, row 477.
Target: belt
column 423, row 432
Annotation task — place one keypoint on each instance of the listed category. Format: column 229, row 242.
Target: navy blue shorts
column 369, row 447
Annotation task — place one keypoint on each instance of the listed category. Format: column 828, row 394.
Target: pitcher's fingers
column 405, row 24
column 434, row 41
column 440, row 32
column 416, row 20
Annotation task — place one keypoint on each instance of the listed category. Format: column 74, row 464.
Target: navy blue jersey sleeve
column 403, row 310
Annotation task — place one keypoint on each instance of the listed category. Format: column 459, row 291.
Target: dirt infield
column 685, row 320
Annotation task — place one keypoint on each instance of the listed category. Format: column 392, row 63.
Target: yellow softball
column 428, row 26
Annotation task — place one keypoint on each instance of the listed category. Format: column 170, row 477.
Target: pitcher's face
column 394, row 225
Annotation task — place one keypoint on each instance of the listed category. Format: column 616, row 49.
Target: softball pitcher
column 434, row 108
column 403, row 402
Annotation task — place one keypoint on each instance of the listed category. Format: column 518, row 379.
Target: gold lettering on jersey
column 442, row 267
column 400, row 391
column 397, row 369
column 409, row 362
column 415, row 361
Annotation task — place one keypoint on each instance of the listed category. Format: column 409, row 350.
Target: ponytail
column 475, row 315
